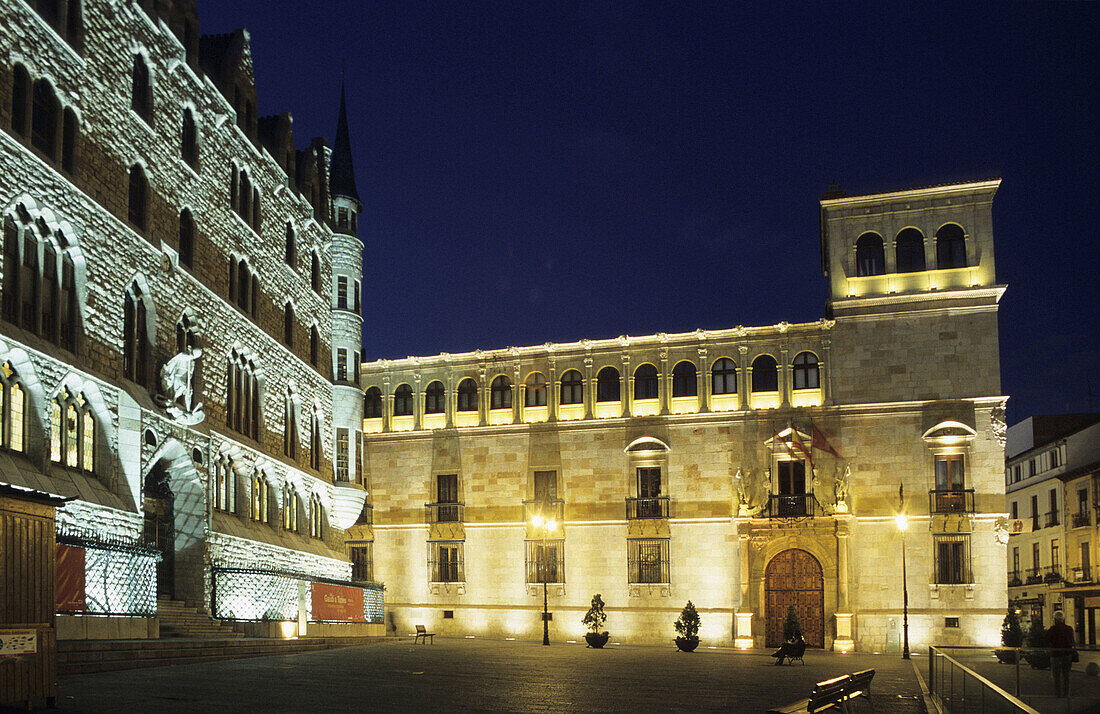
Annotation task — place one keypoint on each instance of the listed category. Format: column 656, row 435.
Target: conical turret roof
column 342, row 173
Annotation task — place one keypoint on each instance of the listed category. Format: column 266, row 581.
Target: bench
column 835, row 693
column 423, row 634
column 796, row 651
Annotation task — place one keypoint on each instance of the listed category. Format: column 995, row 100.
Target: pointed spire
column 342, row 176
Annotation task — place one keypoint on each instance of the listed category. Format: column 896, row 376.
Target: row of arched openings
column 646, row 385
column 909, row 251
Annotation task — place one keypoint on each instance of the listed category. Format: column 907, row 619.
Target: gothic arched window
column 288, row 325
column 290, row 431
column 45, row 111
column 187, row 238
column 242, row 402
column 225, row 484
column 13, row 409
column 290, row 507
column 39, row 295
column 314, row 346
column 136, row 342
column 260, row 497
column 72, row 432
column 290, row 250
column 315, row 440
column 315, row 272
column 316, row 517
column 189, row 140
column 141, row 92
column 20, row 94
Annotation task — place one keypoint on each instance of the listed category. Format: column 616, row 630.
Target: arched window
column 316, row 517
column 246, row 288
column 70, row 131
column 13, row 409
column 44, row 114
column 139, row 187
column 315, row 272
column 254, row 219
column 467, row 396
column 607, row 385
column 723, row 376
column 535, row 393
column 806, row 371
column 645, row 382
column 72, row 432
column 136, row 342
column 403, row 400
column 290, row 251
column 685, row 381
column 290, row 507
column 950, row 247
column 234, row 182
column 244, row 198
column 242, row 403
column 315, row 440
column 187, row 238
column 225, row 484
column 435, row 398
column 765, row 374
column 141, row 93
column 50, row 292
column 288, row 325
column 909, row 251
column 870, row 258
column 38, row 295
column 500, row 393
column 314, row 346
column 572, row 387
column 189, row 142
column 64, row 17
column 372, row 403
column 20, row 93
column 290, row 428
column 260, row 496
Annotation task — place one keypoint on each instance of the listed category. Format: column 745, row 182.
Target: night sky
column 547, row 173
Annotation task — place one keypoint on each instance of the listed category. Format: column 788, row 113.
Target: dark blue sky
column 546, row 173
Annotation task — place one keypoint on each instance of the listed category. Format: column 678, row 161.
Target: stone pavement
column 490, row 676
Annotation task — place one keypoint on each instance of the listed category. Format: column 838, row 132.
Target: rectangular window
column 952, row 555
column 950, row 622
column 358, row 292
column 546, row 486
column 647, row 560
column 341, row 365
column 1015, row 510
column 1035, row 562
column 1055, row 557
column 949, row 473
column 1034, row 513
column 446, row 489
column 545, row 561
column 1052, row 514
column 446, row 562
column 342, row 293
column 362, row 562
column 1056, row 457
column 342, row 455
column 1084, row 572
column 1016, row 561
column 650, row 503
column 1031, row 467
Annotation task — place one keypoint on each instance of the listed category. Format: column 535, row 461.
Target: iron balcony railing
column 792, row 505
column 444, row 512
column 647, row 508
column 1081, row 519
column 546, row 509
column 1052, row 518
column 1034, row 575
column 1053, row 574
column 1082, row 574
column 1015, row 579
column 951, row 501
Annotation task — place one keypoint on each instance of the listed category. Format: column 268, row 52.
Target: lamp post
column 546, row 527
column 902, row 521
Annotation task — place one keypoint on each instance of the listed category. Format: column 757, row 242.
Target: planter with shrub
column 1037, row 654
column 594, row 619
column 1012, row 635
column 687, row 629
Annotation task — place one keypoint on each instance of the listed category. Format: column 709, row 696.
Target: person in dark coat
column 788, row 648
column 1060, row 639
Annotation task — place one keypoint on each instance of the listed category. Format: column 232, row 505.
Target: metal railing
column 546, row 509
column 269, row 594
column 1034, row 575
column 1015, row 578
column 957, row 688
column 1051, row 519
column 444, row 512
column 647, row 508
column 790, row 505
column 1081, row 519
column 545, row 561
column 951, row 501
column 1053, row 574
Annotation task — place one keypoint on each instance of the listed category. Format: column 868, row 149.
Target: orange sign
column 336, row 603
column 69, row 586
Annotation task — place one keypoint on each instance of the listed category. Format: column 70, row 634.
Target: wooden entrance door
column 794, row 578
column 159, row 528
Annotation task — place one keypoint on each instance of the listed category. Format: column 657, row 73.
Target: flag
column 820, row 442
column 800, row 446
column 777, row 438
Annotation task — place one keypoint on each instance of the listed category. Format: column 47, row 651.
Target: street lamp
column 902, row 522
column 546, row 526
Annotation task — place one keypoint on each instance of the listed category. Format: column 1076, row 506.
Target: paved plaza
column 489, row 675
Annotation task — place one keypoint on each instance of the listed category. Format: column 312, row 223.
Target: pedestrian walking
column 1060, row 639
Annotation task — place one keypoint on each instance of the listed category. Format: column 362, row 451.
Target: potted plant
column 687, row 627
column 1012, row 635
column 792, row 629
column 594, row 619
column 1037, row 654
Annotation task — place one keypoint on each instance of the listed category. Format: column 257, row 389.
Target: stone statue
column 840, row 487
column 818, row 489
column 997, row 423
column 742, row 489
column 1000, row 531
column 177, row 390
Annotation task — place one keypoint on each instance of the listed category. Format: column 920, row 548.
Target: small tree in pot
column 687, row 627
column 1012, row 635
column 792, row 629
column 594, row 619
column 1038, row 656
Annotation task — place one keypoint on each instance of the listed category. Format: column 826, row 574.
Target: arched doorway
column 159, row 529
column 794, row 577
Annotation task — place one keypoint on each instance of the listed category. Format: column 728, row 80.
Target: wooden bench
column 835, row 693
column 423, row 634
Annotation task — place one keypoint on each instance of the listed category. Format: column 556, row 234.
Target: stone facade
column 94, row 99
column 708, row 462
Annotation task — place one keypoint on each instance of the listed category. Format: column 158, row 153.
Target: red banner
column 69, row 582
column 337, row 603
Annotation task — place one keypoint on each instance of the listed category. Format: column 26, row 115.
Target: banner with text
column 69, row 592
column 336, row 603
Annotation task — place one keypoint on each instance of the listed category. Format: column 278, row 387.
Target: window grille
column 952, row 559
column 545, row 561
column 445, row 562
column 647, row 560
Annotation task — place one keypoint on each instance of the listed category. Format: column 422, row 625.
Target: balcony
column 647, row 508
column 444, row 512
column 1034, row 575
column 1082, row 574
column 551, row 509
column 1053, row 574
column 951, row 501
column 1081, row 519
column 792, row 505
column 1051, row 519
column 1014, row 579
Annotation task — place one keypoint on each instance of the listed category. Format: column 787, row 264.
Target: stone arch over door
column 794, row 577
column 172, row 476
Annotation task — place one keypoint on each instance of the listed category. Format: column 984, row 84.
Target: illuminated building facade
column 180, row 323
column 745, row 469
